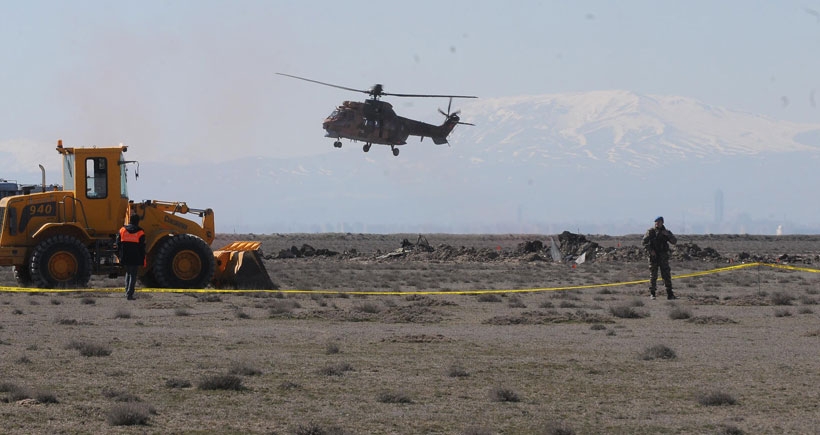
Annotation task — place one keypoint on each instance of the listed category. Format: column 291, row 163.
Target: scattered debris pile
column 571, row 247
column 407, row 247
column 626, row 254
column 450, row 253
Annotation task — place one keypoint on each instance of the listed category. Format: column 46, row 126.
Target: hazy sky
column 185, row 80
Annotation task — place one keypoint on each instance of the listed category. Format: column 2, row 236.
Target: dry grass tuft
column 122, row 313
column 65, row 321
column 658, row 351
column 45, row 396
column 211, row 297
column 16, row 393
column 711, row 320
column 475, row 430
column 178, row 383
column 457, row 371
column 728, row 429
column 516, row 302
column 367, row 307
column 556, row 428
column 243, row 369
column 89, row 349
column 332, row 349
column 120, row 396
column 316, row 429
column 679, row 313
column 807, row 300
column 280, row 307
column 337, row 369
column 627, row 312
column 715, row 398
column 503, row 394
column 782, row 312
column 288, row 385
column 128, row 414
column 393, row 397
column 221, row 382
column 488, row 297
column 781, row 298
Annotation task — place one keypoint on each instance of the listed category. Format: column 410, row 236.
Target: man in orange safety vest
column 131, row 247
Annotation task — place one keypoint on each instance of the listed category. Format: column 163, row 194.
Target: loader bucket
column 239, row 265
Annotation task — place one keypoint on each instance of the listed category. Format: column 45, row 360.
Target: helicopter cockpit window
column 96, row 176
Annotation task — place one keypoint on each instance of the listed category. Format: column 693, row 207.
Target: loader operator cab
column 97, row 176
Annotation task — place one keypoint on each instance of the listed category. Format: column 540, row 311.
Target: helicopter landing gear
column 395, row 151
column 366, row 147
column 337, row 144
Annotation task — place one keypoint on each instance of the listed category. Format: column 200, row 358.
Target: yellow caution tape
column 399, row 293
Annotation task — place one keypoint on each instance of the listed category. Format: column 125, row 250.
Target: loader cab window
column 96, row 176
column 123, row 178
column 68, row 172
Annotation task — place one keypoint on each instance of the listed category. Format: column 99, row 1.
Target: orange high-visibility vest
column 126, row 237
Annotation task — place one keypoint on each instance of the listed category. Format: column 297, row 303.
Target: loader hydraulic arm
column 167, row 216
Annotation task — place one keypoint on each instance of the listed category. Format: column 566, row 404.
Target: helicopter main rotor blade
column 376, row 91
column 326, row 84
column 428, row 95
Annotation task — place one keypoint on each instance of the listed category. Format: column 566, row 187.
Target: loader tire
column 22, row 275
column 60, row 261
column 184, row 261
column 148, row 280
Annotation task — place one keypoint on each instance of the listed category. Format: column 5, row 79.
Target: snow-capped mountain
column 624, row 128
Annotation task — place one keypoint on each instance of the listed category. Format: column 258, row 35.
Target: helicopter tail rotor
column 454, row 115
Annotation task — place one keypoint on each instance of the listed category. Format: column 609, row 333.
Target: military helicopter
column 375, row 122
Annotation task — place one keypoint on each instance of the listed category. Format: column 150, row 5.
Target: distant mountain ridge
column 625, row 128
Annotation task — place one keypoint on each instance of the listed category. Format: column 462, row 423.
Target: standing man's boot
column 670, row 295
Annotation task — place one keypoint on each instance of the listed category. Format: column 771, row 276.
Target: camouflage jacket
column 658, row 240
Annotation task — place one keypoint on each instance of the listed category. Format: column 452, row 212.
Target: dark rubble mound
column 691, row 251
column 305, row 251
column 529, row 247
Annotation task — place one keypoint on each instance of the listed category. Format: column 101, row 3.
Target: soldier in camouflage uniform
column 656, row 242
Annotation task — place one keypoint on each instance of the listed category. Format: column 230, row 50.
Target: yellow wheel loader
column 60, row 238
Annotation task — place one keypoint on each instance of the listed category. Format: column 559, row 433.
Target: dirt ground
column 737, row 353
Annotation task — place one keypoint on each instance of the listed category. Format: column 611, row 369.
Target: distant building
column 719, row 206
column 9, row 188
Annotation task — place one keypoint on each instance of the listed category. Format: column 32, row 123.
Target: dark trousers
column 661, row 261
column 130, row 279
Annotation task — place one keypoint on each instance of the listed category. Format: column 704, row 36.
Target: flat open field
column 737, row 353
